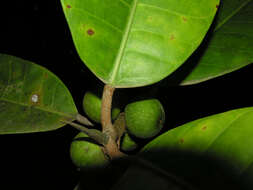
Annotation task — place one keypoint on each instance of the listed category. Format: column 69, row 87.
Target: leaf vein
column 125, row 3
column 36, row 107
column 172, row 12
column 223, row 47
column 9, row 77
column 231, row 15
column 99, row 19
column 162, row 35
column 149, row 55
column 225, row 129
column 151, row 32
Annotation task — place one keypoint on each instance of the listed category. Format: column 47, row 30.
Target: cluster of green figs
column 143, row 120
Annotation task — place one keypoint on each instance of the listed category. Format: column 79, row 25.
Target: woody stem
column 106, row 121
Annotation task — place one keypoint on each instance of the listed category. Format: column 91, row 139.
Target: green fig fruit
column 86, row 154
column 144, row 119
column 127, row 143
column 92, row 107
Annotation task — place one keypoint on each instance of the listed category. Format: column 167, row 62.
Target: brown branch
column 106, row 120
column 111, row 148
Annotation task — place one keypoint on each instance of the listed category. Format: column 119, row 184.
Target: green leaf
column 229, row 46
column 211, row 152
column 129, row 43
column 32, row 99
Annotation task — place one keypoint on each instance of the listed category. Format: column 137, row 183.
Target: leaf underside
column 212, row 153
column 32, row 99
column 229, row 45
column 130, row 43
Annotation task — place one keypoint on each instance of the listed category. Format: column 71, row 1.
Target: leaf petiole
column 95, row 134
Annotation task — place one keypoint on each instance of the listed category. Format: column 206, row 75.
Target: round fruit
column 144, row 119
column 128, row 143
column 92, row 107
column 85, row 154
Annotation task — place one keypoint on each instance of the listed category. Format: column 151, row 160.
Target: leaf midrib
column 231, row 15
column 123, row 43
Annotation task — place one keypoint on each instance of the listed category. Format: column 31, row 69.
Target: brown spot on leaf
column 86, row 149
column 90, row 32
column 217, row 6
column 46, row 76
column 68, row 6
column 184, row 19
column 172, row 37
column 181, row 140
column 204, row 128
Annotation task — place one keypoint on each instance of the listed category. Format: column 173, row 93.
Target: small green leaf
column 212, row 153
column 129, row 43
column 229, row 45
column 32, row 99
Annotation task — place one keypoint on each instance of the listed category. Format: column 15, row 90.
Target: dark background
column 37, row 31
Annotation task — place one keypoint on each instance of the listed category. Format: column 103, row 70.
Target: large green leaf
column 128, row 43
column 32, row 99
column 229, row 46
column 215, row 152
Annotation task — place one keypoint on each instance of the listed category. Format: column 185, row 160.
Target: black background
column 37, row 31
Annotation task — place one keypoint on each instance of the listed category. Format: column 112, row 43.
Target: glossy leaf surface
column 229, row 45
column 129, row 43
column 212, row 153
column 32, row 99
